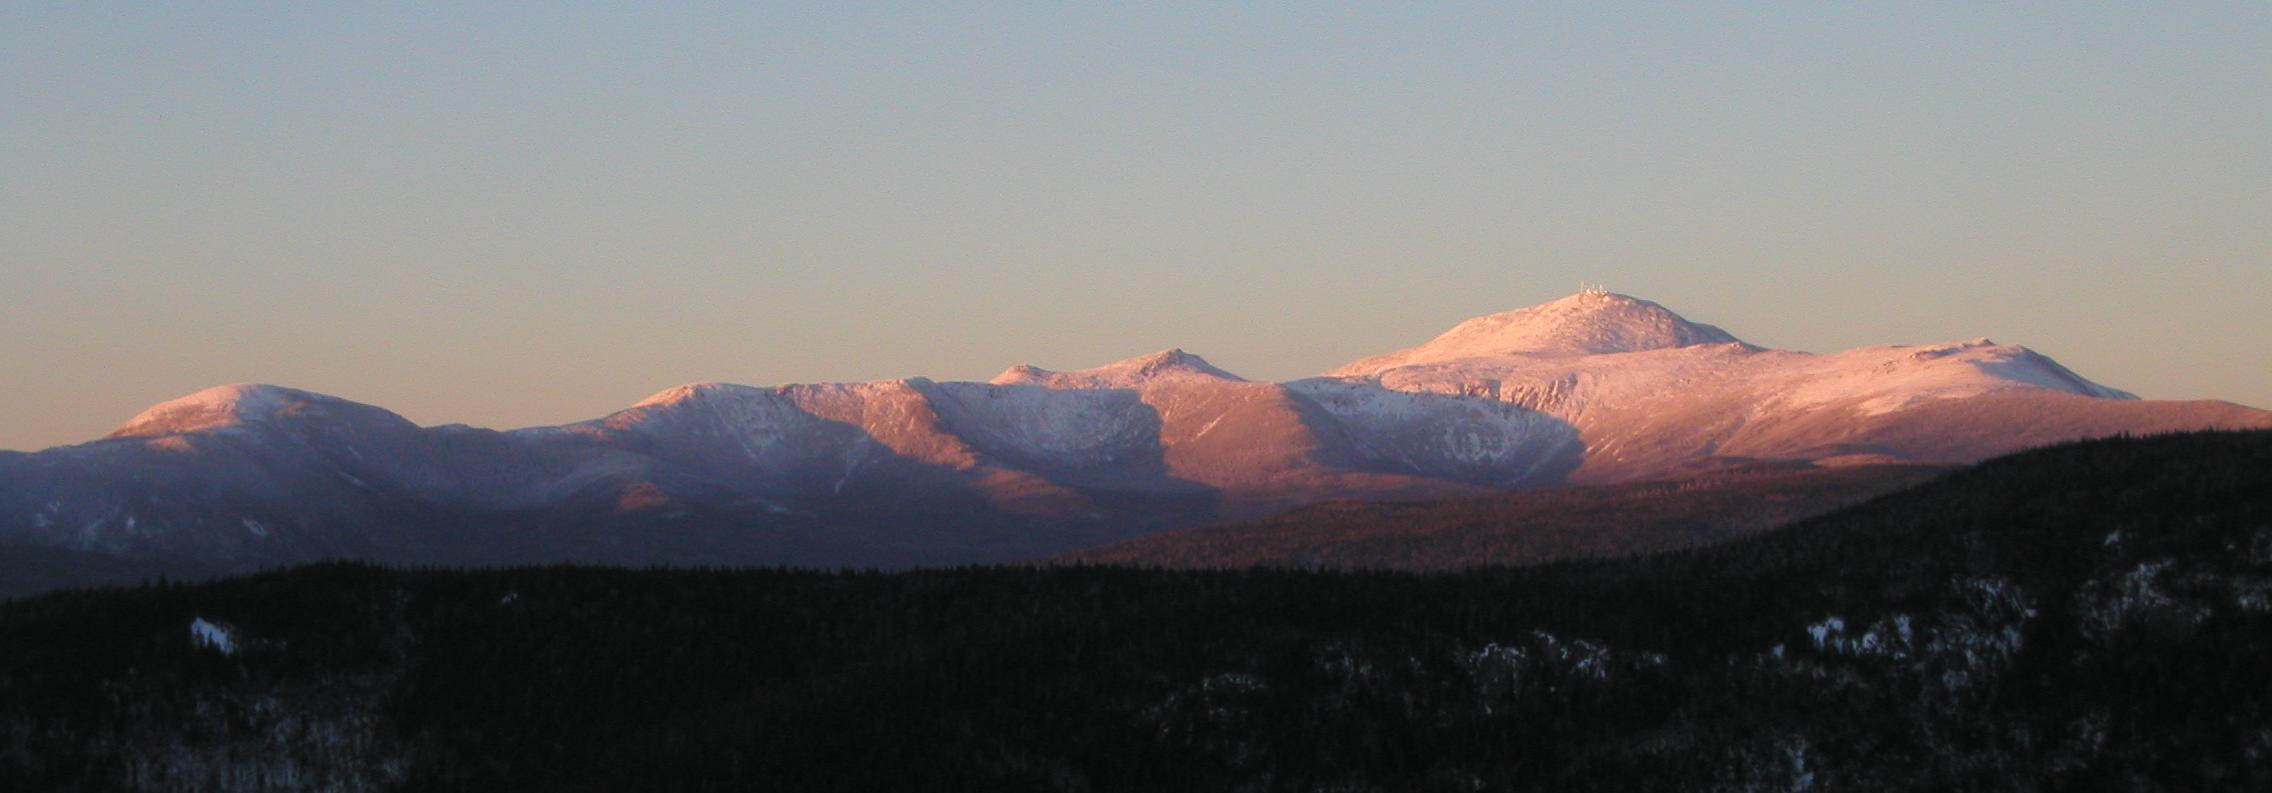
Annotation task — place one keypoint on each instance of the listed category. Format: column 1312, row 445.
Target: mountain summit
column 1165, row 364
column 244, row 405
column 1592, row 322
column 1652, row 393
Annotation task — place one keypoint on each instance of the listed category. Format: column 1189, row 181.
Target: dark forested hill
column 2088, row 617
column 1524, row 527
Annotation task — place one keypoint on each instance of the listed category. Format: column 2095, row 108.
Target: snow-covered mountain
column 1652, row 393
column 1596, row 387
column 1592, row 322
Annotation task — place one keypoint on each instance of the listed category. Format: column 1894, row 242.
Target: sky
column 531, row 214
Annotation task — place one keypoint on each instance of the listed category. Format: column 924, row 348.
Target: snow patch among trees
column 213, row 635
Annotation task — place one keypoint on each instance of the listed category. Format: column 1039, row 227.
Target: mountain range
column 1595, row 388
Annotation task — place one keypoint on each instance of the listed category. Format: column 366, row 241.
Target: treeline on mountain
column 2094, row 616
column 1521, row 528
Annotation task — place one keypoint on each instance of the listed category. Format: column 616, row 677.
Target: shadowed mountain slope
column 1520, row 528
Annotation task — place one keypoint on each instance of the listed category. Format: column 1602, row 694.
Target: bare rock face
column 1593, row 388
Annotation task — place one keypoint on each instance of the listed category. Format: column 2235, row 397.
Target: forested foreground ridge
column 2091, row 616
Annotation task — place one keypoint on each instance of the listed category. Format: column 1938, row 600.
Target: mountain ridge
column 1035, row 462
column 1589, row 323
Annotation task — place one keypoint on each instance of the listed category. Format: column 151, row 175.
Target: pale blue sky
column 515, row 216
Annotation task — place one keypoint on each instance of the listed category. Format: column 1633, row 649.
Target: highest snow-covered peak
column 237, row 405
column 1169, row 364
column 1592, row 322
column 1587, row 323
